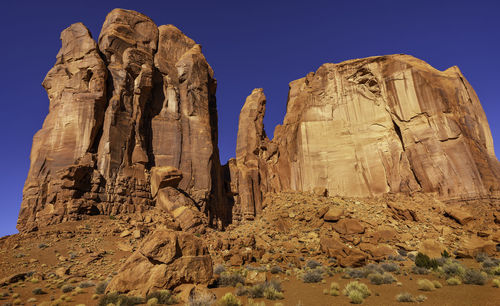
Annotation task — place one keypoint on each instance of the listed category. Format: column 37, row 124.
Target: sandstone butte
column 132, row 130
column 143, row 98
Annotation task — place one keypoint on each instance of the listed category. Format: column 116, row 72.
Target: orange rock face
column 372, row 126
column 143, row 97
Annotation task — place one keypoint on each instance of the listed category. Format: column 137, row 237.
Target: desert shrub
column 474, row 277
column 273, row 283
column 402, row 252
column 489, row 263
column 119, row 299
column 423, row 261
column 445, row 254
column 453, row 281
column 228, row 279
column 420, row 298
column 396, row 258
column 276, row 270
column 379, row 279
column 334, row 290
column 229, row 300
column 412, row 256
column 241, row 290
column 67, row 288
column 38, row 291
column 101, row 287
column 256, row 291
column 453, row 269
column 251, row 302
column 86, row 284
column 355, row 273
column 163, row 296
column 272, row 294
column 203, row 299
column 357, row 286
column 312, row 276
column 496, row 283
column 312, row 264
column 425, row 285
column 219, row 269
column 481, row 257
column 43, row 246
column 495, row 270
column 389, row 267
column 419, row 270
column 356, row 297
column 405, row 297
column 437, row 284
column 372, row 268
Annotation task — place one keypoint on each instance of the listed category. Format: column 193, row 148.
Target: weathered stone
column 164, row 260
column 367, row 127
column 141, row 99
column 162, row 177
column 458, row 215
column 255, row 277
column 471, row 246
column 349, row 227
column 431, row 248
column 333, row 214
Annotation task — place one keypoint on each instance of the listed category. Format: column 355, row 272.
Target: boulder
column 459, row 215
column 162, row 177
column 255, row 277
column 333, row 214
column 469, row 247
column 349, row 227
column 164, row 260
column 431, row 248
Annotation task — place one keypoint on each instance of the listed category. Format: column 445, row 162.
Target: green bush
column 229, row 300
column 405, row 297
column 496, row 283
column 333, row 291
column 122, row 300
column 425, row 285
column 357, row 286
column 453, row 281
column 423, row 261
column 356, row 297
column 163, row 296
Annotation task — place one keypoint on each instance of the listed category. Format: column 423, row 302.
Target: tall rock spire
column 143, row 97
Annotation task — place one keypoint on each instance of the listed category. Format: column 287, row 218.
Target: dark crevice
column 415, row 176
column 398, row 131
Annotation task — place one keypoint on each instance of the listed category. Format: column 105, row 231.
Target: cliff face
column 133, row 126
column 372, row 126
column 142, row 97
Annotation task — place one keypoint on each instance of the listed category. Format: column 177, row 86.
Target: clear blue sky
column 249, row 44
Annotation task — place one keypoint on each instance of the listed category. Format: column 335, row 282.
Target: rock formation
column 164, row 260
column 143, row 97
column 368, row 127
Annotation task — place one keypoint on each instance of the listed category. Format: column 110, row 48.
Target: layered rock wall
column 144, row 96
column 368, row 127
